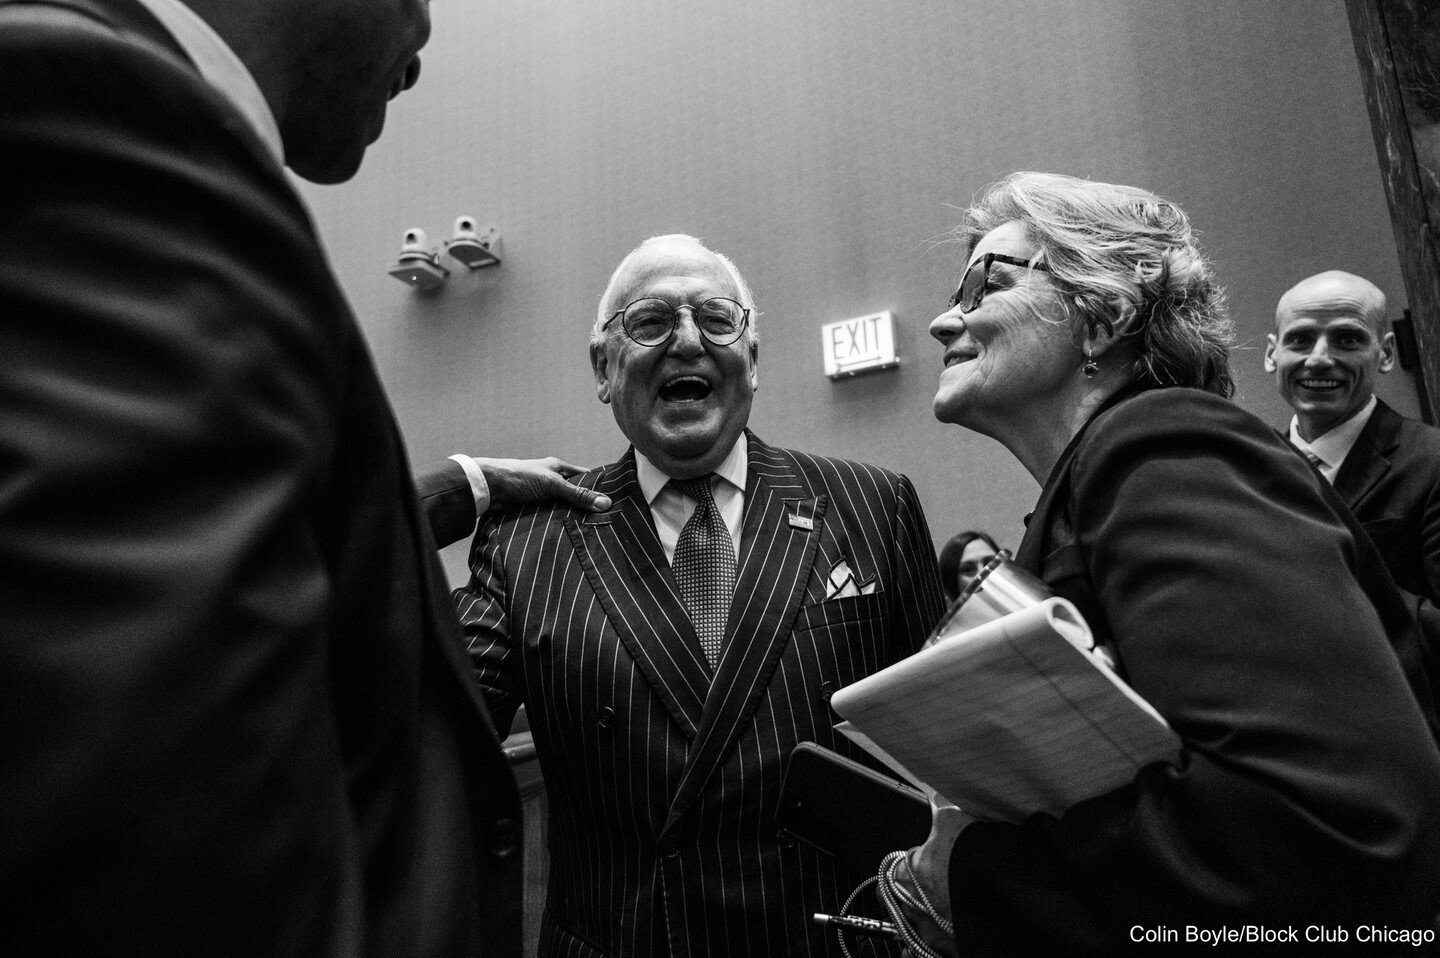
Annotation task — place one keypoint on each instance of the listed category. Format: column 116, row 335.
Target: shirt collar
column 1332, row 447
column 221, row 68
column 732, row 470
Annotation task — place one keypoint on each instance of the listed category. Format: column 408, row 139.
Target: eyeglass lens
column 650, row 321
column 972, row 285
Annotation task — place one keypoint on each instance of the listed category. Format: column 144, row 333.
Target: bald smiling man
column 1331, row 343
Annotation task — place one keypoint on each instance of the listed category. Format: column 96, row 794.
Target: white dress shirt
column 1332, row 447
column 671, row 509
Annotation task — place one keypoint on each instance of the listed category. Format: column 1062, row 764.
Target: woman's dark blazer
column 1231, row 584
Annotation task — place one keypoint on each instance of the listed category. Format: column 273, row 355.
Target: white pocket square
column 842, row 583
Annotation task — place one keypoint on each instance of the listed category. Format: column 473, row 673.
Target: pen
column 864, row 926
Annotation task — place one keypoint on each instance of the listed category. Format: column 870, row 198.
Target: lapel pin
column 802, row 522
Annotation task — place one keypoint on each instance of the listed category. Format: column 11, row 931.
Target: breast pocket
column 835, row 643
column 831, row 612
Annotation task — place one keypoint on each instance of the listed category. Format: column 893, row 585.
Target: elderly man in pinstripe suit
column 672, row 649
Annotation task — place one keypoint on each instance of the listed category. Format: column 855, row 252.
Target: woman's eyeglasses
column 977, row 279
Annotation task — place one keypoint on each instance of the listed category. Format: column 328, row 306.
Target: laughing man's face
column 1326, row 352
column 684, row 402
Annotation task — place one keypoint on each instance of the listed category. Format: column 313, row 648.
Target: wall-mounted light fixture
column 420, row 266
column 474, row 249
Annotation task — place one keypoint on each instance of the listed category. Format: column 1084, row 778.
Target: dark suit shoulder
column 1395, row 463
column 34, row 37
column 1177, row 421
column 124, row 95
column 1416, row 436
column 1177, row 409
column 828, row 474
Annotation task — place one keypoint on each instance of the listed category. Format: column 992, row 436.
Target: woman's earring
column 1091, row 367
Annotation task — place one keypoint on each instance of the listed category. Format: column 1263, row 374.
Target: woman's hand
column 928, row 876
column 931, row 861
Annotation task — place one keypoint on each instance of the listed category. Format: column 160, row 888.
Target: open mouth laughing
column 1318, row 384
column 684, row 389
column 958, row 355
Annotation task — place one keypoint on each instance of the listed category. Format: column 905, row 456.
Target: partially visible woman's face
column 1002, row 360
column 977, row 553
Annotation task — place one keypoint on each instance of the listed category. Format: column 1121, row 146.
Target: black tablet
column 848, row 810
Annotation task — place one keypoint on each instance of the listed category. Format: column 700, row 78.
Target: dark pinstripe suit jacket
column 663, row 785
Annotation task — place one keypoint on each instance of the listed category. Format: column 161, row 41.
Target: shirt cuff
column 478, row 486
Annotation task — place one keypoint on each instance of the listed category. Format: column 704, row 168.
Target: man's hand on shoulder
column 516, row 481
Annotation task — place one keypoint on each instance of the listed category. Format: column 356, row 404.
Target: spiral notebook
column 1016, row 716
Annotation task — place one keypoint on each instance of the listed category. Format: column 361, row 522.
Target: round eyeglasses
column 651, row 322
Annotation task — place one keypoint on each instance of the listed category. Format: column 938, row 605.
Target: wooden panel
column 520, row 750
column 1397, row 44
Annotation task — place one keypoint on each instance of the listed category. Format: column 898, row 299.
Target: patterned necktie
column 704, row 566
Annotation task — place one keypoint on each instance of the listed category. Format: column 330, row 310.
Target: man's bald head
column 1334, row 291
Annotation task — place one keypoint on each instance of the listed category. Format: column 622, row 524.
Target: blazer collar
column 1032, row 548
column 222, row 68
column 1369, row 458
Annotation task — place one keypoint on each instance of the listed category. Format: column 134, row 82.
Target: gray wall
column 824, row 145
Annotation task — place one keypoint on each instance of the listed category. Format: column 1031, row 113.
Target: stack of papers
column 1012, row 717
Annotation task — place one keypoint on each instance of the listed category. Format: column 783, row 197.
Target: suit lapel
column 625, row 566
column 1369, row 458
column 780, row 532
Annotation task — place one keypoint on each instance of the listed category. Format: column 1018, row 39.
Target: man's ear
column 1270, row 343
column 1387, row 352
column 600, row 363
column 754, row 365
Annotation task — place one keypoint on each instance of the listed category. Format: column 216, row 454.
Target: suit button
column 503, row 838
column 669, row 851
column 827, row 689
column 606, row 718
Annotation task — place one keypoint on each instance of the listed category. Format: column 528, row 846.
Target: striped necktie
column 704, row 566
column 1315, row 460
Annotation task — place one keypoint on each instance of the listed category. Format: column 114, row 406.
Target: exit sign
column 859, row 345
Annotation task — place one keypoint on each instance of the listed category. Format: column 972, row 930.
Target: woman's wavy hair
column 1127, row 260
